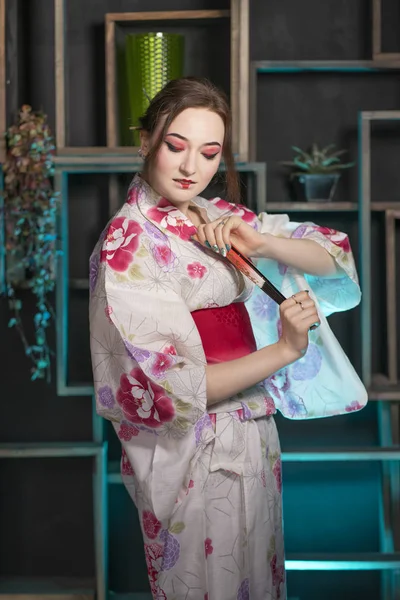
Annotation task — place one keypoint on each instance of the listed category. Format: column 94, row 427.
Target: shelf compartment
column 51, row 588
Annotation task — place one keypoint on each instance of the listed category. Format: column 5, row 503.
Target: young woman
column 176, row 365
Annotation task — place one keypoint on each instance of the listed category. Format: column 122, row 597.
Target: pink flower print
column 170, row 350
column 143, row 401
column 133, row 195
column 169, row 217
column 153, row 554
column 151, row 525
column 127, row 432
column 277, row 471
column 278, row 383
column 190, row 486
column 108, row 310
column 196, row 270
column 278, row 575
column 270, row 408
column 336, row 237
column 164, row 257
column 161, row 363
column 126, row 467
column 237, row 210
column 355, row 405
column 208, row 548
column 213, row 419
column 120, row 244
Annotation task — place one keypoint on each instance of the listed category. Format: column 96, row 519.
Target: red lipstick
column 184, row 183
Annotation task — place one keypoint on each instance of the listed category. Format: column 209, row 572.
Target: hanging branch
column 30, row 207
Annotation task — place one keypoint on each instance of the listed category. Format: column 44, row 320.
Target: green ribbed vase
column 151, row 60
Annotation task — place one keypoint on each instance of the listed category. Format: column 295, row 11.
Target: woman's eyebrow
column 178, row 135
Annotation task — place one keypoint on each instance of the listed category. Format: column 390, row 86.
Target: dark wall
column 46, row 514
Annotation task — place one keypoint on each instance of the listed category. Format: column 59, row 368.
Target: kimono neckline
column 160, row 211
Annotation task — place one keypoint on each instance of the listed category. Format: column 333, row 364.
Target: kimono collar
column 159, row 210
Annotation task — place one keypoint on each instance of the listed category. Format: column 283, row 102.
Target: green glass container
column 151, row 60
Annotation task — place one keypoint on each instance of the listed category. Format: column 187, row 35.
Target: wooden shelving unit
column 239, row 48
column 377, row 53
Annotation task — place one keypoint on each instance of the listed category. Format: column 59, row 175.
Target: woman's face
column 189, row 156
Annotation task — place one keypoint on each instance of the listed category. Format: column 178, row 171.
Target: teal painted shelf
column 51, row 450
column 47, row 588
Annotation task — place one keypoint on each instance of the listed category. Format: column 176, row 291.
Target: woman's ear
column 144, row 142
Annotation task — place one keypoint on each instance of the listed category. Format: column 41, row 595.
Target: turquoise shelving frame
column 98, row 451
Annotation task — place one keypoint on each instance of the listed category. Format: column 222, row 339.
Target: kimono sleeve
column 335, row 294
column 323, row 383
column 149, row 377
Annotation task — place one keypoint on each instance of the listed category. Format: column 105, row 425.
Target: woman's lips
column 184, row 183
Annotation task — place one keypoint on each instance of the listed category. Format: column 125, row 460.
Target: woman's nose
column 188, row 166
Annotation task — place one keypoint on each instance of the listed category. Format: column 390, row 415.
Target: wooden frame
column 3, row 105
column 3, row 283
column 377, row 54
column 380, row 387
column 239, row 15
column 98, row 452
column 391, row 309
column 305, row 66
column 112, row 21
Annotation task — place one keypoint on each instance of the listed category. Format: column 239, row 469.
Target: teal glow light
column 371, row 562
column 320, row 69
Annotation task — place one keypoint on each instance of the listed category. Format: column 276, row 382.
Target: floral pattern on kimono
column 208, row 484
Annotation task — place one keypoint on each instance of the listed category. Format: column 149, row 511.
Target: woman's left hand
column 223, row 233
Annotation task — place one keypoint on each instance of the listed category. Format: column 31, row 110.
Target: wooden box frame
column 3, row 105
column 98, row 451
column 239, row 17
column 267, row 67
column 377, row 54
column 380, row 387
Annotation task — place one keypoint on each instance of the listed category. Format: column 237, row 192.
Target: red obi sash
column 226, row 332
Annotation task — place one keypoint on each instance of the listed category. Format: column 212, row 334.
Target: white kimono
column 207, row 488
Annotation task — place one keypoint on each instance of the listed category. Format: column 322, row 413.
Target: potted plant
column 316, row 173
column 30, row 207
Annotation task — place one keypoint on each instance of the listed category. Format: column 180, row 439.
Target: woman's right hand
column 298, row 314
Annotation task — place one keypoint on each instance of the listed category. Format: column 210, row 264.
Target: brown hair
column 192, row 92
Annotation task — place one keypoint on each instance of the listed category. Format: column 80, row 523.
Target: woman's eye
column 173, row 148
column 210, row 156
